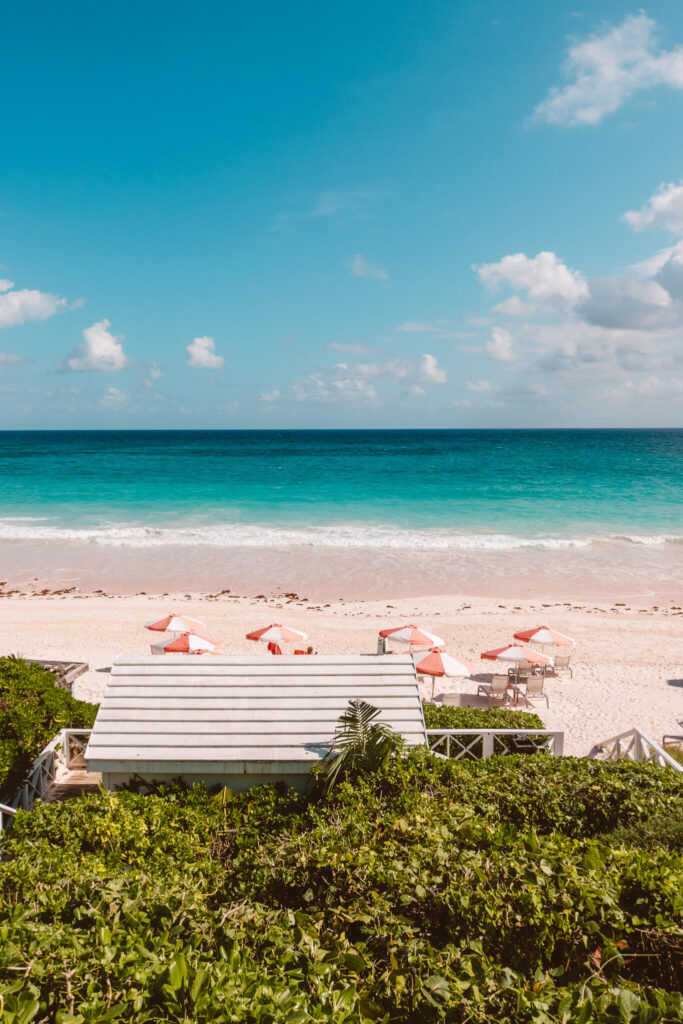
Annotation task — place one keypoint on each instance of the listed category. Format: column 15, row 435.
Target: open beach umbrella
column 188, row 643
column 278, row 634
column 517, row 654
column 544, row 635
column 412, row 635
column 175, row 624
column 438, row 663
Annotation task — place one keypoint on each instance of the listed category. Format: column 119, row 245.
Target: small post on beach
column 381, row 645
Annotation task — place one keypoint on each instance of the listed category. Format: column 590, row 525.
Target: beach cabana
column 240, row 721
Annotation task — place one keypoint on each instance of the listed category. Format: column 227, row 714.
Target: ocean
column 97, row 503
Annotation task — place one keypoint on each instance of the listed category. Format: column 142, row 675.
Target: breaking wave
column 340, row 535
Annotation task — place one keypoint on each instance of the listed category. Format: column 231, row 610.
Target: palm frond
column 361, row 744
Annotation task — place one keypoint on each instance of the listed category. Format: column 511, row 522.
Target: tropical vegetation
column 32, row 711
column 515, row 889
column 451, row 717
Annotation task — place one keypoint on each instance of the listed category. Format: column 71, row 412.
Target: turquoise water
column 416, row 489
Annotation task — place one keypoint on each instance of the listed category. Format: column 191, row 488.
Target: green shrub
column 430, row 891
column 479, row 718
column 483, row 718
column 674, row 750
column 32, row 711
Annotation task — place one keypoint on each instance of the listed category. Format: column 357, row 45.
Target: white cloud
column 11, row 357
column 597, row 331
column 412, row 327
column 5, row 284
column 670, row 276
column 545, row 277
column 100, row 351
column 654, row 387
column 462, row 401
column 354, row 387
column 513, row 307
column 607, row 69
column 429, row 371
column 627, row 302
column 360, row 267
column 153, row 375
column 653, row 264
column 663, row 210
column 113, row 399
column 270, row 396
column 500, row 345
column 27, row 304
column 480, row 385
column 201, row 354
column 369, row 381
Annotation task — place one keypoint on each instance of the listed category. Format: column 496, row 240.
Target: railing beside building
column 472, row 744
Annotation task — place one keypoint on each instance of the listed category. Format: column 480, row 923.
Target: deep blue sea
column 418, row 489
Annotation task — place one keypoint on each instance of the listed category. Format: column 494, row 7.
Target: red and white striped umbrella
column 188, row 643
column 516, row 653
column 278, row 634
column 175, row 624
column 544, row 635
column 438, row 663
column 412, row 635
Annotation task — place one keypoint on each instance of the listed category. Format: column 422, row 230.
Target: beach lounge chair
column 534, row 690
column 451, row 700
column 497, row 689
column 561, row 664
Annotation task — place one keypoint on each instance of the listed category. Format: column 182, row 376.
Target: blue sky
column 376, row 214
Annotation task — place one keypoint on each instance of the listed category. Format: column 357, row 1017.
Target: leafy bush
column 32, row 711
column 447, row 717
column 484, row 718
column 429, row 891
column 658, row 829
column 674, row 750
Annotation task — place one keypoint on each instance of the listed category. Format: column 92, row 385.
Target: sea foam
column 339, row 535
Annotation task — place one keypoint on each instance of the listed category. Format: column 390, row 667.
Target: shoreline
column 627, row 664
column 645, row 574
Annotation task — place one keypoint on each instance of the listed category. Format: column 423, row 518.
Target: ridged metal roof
column 187, row 714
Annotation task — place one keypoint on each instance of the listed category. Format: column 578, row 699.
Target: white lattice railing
column 476, row 743
column 635, row 745
column 66, row 750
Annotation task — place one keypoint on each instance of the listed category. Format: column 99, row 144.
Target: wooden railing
column 635, row 745
column 476, row 743
column 66, row 750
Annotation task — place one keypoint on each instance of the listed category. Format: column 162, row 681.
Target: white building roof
column 186, row 714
